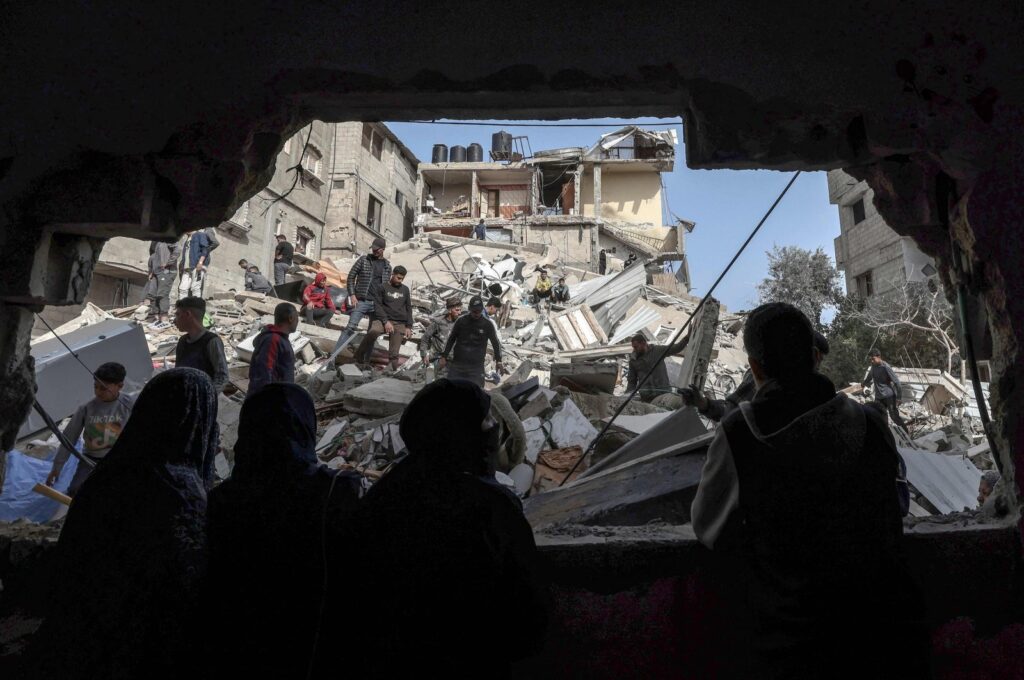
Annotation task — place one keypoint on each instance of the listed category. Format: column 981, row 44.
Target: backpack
column 211, row 235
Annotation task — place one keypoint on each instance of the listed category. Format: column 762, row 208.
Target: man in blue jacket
column 273, row 359
column 195, row 259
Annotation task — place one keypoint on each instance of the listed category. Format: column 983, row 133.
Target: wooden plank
column 580, row 330
column 589, row 314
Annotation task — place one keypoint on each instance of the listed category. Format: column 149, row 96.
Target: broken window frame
column 374, row 217
column 858, row 208
column 865, row 284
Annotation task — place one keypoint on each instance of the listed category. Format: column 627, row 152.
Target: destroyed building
column 549, row 197
column 927, row 112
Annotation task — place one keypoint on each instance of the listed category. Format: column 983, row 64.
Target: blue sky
column 725, row 204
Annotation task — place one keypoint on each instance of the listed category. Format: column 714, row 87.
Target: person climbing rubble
column 467, row 345
column 273, row 359
column 644, row 357
column 367, row 274
column 439, row 548
column 317, row 303
column 801, row 490
column 99, row 422
column 199, row 348
column 255, row 281
column 887, row 388
column 392, row 314
column 433, row 340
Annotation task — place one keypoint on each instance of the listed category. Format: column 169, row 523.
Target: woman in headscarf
column 267, row 534
column 132, row 553
column 446, row 575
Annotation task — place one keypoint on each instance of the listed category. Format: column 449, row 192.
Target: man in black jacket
column 199, row 348
column 887, row 386
column 283, row 254
column 467, row 345
column 367, row 274
column 392, row 314
column 801, row 491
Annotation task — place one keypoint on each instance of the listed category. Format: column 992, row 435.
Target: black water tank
column 501, row 143
column 476, row 153
column 457, row 154
column 440, row 154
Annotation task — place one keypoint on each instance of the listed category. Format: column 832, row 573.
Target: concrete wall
column 869, row 245
column 630, row 196
column 445, row 195
column 572, row 241
column 357, row 175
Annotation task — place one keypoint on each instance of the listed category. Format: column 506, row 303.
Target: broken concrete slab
column 680, row 426
column 659, row 486
column 697, row 354
column 569, row 427
column 228, row 412
column 331, row 433
column 586, row 376
column 639, row 424
column 538, row 404
column 382, row 397
column 598, row 406
column 536, row 437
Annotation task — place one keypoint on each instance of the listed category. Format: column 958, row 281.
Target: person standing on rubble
column 283, row 254
column 195, row 259
column 433, row 340
column 367, row 274
column 717, row 409
column 467, row 345
column 801, row 493
column 480, row 231
column 317, row 302
column 392, row 314
column 266, row 536
column 887, row 386
column 441, row 552
column 273, row 359
column 161, row 279
column 199, row 348
column 99, row 422
column 644, row 357
column 602, row 261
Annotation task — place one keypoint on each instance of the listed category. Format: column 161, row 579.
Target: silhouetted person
column 467, row 345
column 266, row 539
column 132, row 553
column 800, row 487
column 887, row 386
column 447, row 570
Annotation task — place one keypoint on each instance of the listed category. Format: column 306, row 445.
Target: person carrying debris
column 644, row 357
column 273, row 359
column 542, row 289
column 560, row 293
column 887, row 386
column 717, row 409
column 266, row 536
column 283, row 254
column 467, row 345
column 801, row 493
column 199, row 348
column 99, row 422
column 433, row 340
column 161, row 279
column 440, row 549
column 480, row 230
column 367, row 274
column 192, row 266
column 129, row 565
column 317, row 301
column 392, row 314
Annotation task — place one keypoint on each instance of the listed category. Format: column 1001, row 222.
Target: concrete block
column 382, row 397
column 538, row 404
column 332, row 432
column 351, row 372
column 536, row 438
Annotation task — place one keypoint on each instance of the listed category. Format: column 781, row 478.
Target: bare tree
column 913, row 306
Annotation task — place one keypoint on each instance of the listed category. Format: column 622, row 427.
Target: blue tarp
column 18, row 500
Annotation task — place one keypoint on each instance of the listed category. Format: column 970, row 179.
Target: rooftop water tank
column 440, row 154
column 501, row 143
column 457, row 154
column 476, row 153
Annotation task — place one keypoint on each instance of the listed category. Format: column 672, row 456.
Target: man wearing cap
column 369, row 273
column 467, row 345
column 432, row 342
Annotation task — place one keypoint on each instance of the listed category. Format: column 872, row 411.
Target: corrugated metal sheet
column 950, row 483
column 610, row 313
column 641, row 319
column 618, row 285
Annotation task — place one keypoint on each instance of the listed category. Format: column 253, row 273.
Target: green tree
column 803, row 278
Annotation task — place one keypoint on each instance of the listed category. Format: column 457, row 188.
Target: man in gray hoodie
column 801, row 491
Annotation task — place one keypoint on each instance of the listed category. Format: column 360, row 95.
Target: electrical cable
column 297, row 169
column 675, row 337
column 70, row 351
column 528, row 125
column 64, row 441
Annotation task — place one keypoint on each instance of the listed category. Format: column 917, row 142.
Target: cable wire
column 675, row 337
column 71, row 351
column 528, row 125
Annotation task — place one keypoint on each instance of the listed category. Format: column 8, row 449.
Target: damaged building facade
column 581, row 201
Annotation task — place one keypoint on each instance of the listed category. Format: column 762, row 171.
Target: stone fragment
column 382, row 397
